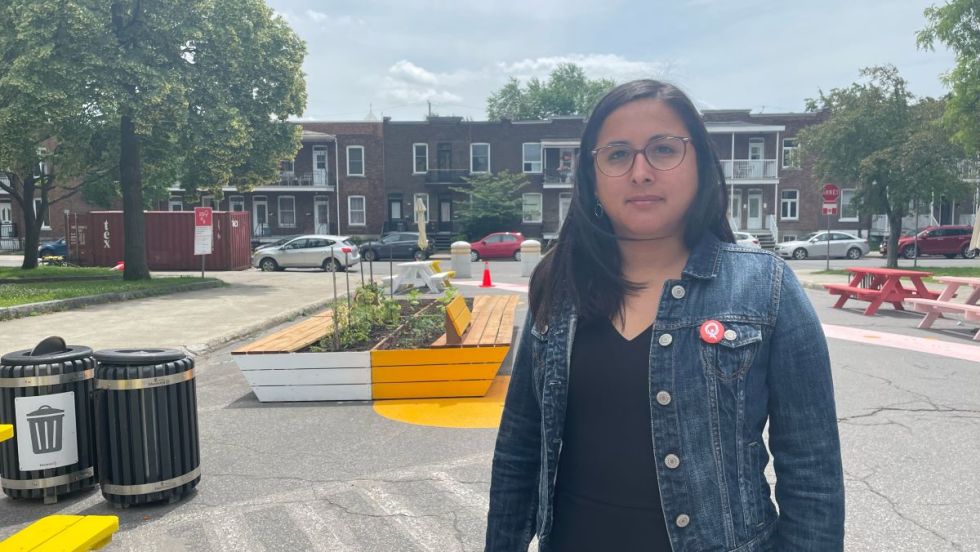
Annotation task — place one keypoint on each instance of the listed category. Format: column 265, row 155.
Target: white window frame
column 280, row 210
column 351, row 210
column 425, row 199
column 471, row 157
column 415, row 158
column 841, row 217
column 287, row 166
column 45, row 220
column 525, row 204
column 207, row 200
column 175, row 201
column 525, row 162
column 794, row 153
column 236, row 199
column 785, row 201
column 363, row 164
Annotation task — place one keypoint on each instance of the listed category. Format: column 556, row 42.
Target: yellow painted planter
column 434, row 373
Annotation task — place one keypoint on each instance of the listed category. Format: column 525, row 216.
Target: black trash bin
column 147, row 439
column 47, row 394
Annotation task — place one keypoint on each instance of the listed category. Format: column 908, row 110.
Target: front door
column 445, row 215
column 260, row 217
column 754, row 221
column 321, row 216
column 319, row 165
column 735, row 213
column 564, row 204
column 756, row 150
column 6, row 219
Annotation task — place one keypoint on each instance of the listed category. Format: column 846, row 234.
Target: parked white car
column 746, row 239
column 331, row 253
column 814, row 244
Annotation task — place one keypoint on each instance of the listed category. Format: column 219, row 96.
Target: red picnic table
column 881, row 285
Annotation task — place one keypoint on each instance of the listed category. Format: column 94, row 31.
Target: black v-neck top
column 606, row 495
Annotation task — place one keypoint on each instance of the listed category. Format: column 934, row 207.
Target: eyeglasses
column 664, row 153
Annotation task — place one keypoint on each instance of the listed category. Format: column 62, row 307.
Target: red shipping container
column 169, row 239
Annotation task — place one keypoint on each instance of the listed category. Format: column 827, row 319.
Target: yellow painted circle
column 474, row 413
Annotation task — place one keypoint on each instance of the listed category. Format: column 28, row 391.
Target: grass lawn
column 24, row 293
column 969, row 271
column 16, row 273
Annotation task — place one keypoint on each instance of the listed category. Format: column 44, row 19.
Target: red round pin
column 712, row 331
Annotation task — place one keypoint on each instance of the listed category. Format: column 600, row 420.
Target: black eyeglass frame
column 683, row 139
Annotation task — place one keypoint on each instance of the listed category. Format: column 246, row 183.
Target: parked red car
column 950, row 241
column 499, row 245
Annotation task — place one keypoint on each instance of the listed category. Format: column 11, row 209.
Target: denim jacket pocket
column 731, row 357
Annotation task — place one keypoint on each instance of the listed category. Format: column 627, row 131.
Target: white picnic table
column 418, row 274
column 944, row 304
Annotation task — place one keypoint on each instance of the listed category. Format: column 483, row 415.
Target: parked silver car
column 746, row 239
column 814, row 244
column 331, row 253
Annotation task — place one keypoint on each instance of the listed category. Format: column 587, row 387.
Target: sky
column 391, row 57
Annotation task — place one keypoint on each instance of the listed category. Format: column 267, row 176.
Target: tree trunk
column 32, row 230
column 894, row 232
column 130, row 179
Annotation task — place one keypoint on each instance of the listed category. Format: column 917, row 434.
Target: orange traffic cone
column 486, row 275
column 119, row 266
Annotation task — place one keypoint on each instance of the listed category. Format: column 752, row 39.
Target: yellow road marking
column 472, row 413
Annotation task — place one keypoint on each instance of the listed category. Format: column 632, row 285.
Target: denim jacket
column 709, row 405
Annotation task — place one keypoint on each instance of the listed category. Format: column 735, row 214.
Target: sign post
column 203, row 233
column 830, row 193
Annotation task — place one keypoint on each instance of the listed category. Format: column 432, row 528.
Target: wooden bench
column 934, row 308
column 64, row 534
column 292, row 338
column 490, row 324
column 864, row 294
column 440, row 280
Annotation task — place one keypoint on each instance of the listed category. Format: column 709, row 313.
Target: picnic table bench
column 934, row 309
column 60, row 533
column 422, row 274
column 881, row 285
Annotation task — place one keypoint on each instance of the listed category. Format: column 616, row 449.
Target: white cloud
column 610, row 66
column 316, row 16
column 406, row 70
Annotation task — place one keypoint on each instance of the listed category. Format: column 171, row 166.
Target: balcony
column 446, row 176
column 319, row 180
column 554, row 178
column 750, row 169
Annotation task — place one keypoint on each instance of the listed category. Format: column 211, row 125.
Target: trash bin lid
column 138, row 357
column 50, row 350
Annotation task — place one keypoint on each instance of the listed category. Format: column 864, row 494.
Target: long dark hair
column 586, row 263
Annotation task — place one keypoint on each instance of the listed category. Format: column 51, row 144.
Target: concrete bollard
column 460, row 252
column 530, row 255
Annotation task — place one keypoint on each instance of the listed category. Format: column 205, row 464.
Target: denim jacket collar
column 704, row 259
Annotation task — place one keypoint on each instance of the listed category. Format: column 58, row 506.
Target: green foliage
column 35, row 292
column 957, row 25
column 894, row 151
column 566, row 92
column 494, row 205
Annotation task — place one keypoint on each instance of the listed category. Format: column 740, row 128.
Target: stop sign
column 830, row 193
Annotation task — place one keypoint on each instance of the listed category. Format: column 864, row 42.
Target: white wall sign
column 46, row 431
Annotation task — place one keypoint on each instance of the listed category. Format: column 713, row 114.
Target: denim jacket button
column 665, row 340
column 730, row 335
column 672, row 461
column 663, row 398
column 683, row 520
column 678, row 292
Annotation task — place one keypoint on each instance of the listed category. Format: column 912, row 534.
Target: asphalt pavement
column 340, row 476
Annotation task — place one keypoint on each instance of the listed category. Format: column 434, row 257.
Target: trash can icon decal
column 46, row 428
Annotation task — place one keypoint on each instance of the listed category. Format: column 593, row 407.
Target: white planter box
column 288, row 377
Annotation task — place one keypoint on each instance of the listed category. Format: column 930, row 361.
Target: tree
column 566, row 92
column 44, row 120
column 957, row 25
column 895, row 151
column 494, row 204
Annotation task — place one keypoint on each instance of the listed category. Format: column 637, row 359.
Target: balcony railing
column 969, row 170
column 557, row 177
column 749, row 169
column 305, row 179
column 8, row 230
column 446, row 176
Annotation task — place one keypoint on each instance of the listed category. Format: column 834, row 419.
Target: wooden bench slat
column 493, row 325
column 480, row 320
column 294, row 337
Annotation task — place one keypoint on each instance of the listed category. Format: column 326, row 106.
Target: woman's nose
column 642, row 171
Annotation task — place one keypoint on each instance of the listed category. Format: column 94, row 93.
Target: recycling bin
column 47, row 394
column 147, row 438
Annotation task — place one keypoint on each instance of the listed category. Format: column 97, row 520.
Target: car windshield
column 811, row 235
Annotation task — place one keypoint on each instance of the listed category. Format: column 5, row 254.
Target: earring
column 598, row 209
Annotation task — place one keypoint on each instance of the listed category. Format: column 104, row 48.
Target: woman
column 654, row 354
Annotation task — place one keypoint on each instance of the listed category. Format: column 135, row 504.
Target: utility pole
column 430, row 107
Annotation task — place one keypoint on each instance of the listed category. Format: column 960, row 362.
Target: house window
column 355, row 160
column 236, row 203
column 286, row 166
column 356, row 210
column 791, row 154
column 175, row 204
column 207, row 201
column 425, row 201
column 532, row 158
column 532, row 208
column 848, row 213
column 789, row 204
column 287, row 212
column 420, row 153
column 43, row 216
column 479, row 158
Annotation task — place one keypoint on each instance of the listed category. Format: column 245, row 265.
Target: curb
column 21, row 311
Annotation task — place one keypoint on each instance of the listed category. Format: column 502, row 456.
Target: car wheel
column 474, row 256
column 910, row 252
column 268, row 265
column 332, row 265
column 800, row 254
column 854, row 253
column 419, row 255
column 969, row 253
column 517, row 255
column 370, row 256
